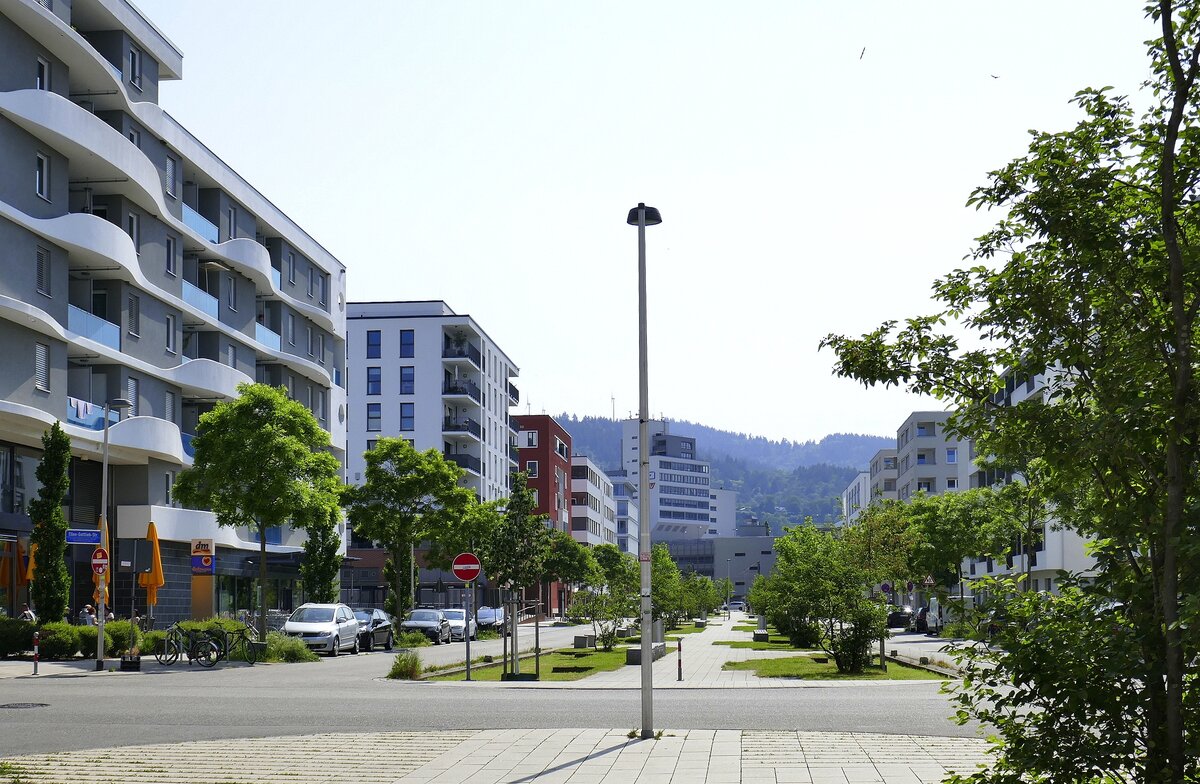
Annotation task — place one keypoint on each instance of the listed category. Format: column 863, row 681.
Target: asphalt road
column 349, row 694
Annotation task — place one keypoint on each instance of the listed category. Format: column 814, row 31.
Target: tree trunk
column 262, row 581
column 398, row 576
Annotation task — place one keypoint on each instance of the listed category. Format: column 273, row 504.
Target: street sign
column 886, row 587
column 644, row 557
column 466, row 567
column 929, row 581
column 99, row 560
column 83, row 536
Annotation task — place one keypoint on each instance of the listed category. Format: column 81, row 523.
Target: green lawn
column 776, row 642
column 571, row 664
column 668, row 634
column 804, row 667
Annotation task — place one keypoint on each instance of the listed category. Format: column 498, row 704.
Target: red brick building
column 544, row 454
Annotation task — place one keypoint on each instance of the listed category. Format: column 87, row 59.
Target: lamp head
column 653, row 218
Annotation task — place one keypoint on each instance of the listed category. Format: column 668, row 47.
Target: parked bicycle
column 196, row 644
column 243, row 640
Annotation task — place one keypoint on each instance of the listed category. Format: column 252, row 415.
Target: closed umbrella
column 153, row 579
column 101, row 581
column 27, row 574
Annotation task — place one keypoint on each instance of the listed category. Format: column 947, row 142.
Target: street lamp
column 643, row 216
column 119, row 404
column 728, row 587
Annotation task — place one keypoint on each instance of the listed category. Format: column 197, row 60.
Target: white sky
column 487, row 153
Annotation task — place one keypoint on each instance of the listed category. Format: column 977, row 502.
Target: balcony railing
column 514, row 394
column 90, row 415
column 188, row 449
column 469, row 462
column 200, row 224
column 277, row 278
column 462, row 387
column 200, row 299
column 462, row 351
column 93, row 327
column 267, row 336
column 467, row 425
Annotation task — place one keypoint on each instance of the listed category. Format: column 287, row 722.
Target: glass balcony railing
column 265, row 335
column 337, row 377
column 462, row 351
column 90, row 415
column 93, row 327
column 277, row 278
column 200, row 224
column 514, row 394
column 200, row 299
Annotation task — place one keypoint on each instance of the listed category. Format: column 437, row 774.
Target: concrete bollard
column 37, row 638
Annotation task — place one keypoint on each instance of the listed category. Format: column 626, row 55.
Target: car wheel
column 370, row 643
column 354, row 650
column 387, row 646
column 437, row 639
column 333, row 647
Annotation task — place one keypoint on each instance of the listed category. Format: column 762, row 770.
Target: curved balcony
column 149, row 435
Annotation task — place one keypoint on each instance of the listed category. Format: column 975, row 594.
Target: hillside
column 781, row 482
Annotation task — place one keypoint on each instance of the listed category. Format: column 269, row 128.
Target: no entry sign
column 466, row 567
column 99, row 560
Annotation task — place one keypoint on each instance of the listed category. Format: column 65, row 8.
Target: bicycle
column 197, row 645
column 244, row 638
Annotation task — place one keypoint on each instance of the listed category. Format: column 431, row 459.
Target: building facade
column 856, row 497
column 883, row 475
column 544, row 454
column 593, row 508
column 928, row 459
column 625, row 493
column 681, row 498
column 138, row 265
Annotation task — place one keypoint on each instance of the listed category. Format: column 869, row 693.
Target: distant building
column 544, row 454
column 723, row 512
column 883, row 475
column 740, row 558
column 929, row 459
column 625, row 493
column 593, row 508
column 856, row 497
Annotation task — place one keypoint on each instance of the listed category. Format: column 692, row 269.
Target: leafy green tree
column 321, row 565
column 51, row 582
column 883, row 541
column 517, row 549
column 567, row 561
column 665, row 586
column 724, row 587
column 954, row 527
column 1089, row 281
column 611, row 595
column 261, row 460
column 407, row 496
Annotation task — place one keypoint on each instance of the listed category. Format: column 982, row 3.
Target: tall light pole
column 643, row 216
column 119, row 404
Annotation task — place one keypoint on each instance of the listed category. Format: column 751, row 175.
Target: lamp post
column 643, row 216
column 728, row 587
column 119, row 404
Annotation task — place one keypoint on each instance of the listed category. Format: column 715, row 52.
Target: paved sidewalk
column 564, row 756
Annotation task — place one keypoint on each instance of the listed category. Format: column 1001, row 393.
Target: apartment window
column 951, row 484
column 171, row 333
column 131, row 394
column 407, row 343
column 308, row 338
column 308, row 402
column 169, row 406
column 952, row 455
column 171, row 166
column 321, row 405
column 42, row 80
column 408, row 416
column 312, row 280
column 530, row 438
column 321, row 348
column 374, row 344
column 135, row 67
column 531, row 468
column 41, row 366
column 321, row 287
column 231, row 222
column 291, row 329
column 171, row 263
column 133, row 227
column 408, row 380
column 291, row 386
column 42, row 179
column 134, row 315
column 168, row 484
column 135, row 137
column 371, row 442
column 231, row 355
column 43, row 271
column 374, row 381
column 231, row 293
column 291, row 267
column 374, row 417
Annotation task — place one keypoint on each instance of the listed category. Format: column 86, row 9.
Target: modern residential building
column 722, row 508
column 856, row 497
column 593, row 508
column 929, row 459
column 544, row 454
column 420, row 371
column 625, row 493
column 883, row 475
column 139, row 265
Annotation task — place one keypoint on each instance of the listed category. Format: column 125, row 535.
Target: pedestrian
column 86, row 616
column 109, row 616
column 27, row 614
column 137, row 620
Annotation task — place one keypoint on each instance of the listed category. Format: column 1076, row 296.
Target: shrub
column 15, row 636
column 61, row 640
column 151, row 642
column 87, row 641
column 119, row 632
column 412, row 640
column 407, row 667
column 487, row 634
column 284, row 648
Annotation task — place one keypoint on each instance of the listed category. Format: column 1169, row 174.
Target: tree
column 321, row 565
column 883, row 541
column 517, row 549
column 261, row 460
column 665, row 586
column 1089, row 282
column 406, row 496
column 954, row 527
column 51, row 582
column 567, row 561
column 611, row 594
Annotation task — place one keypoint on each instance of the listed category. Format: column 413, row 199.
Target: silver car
column 328, row 628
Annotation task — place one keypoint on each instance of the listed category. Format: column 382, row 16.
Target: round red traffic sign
column 466, row 567
column 99, row 560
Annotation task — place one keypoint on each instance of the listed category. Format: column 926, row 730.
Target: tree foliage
column 1090, row 282
column 321, row 564
column 611, row 597
column 518, row 546
column 51, row 582
column 261, row 460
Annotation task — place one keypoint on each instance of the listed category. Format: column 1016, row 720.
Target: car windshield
column 455, row 615
column 363, row 616
column 423, row 615
column 312, row 615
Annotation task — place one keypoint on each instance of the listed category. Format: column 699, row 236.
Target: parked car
column 375, row 627
column 489, row 617
column 329, row 628
column 458, row 623
column 899, row 617
column 737, row 606
column 920, row 620
column 432, row 623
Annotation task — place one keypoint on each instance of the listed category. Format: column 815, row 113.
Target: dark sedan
column 374, row 628
column 432, row 623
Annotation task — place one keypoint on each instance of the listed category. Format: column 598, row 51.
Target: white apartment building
column 593, row 507
column 625, row 493
column 928, row 459
column 856, row 497
column 420, row 371
column 883, row 475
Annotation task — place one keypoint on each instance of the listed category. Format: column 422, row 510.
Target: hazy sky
column 811, row 161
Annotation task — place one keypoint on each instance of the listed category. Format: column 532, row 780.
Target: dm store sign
column 204, row 556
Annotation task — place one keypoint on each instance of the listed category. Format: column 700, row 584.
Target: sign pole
column 467, row 629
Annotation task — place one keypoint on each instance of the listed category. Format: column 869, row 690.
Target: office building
column 593, row 508
column 681, row 498
column 625, row 493
column 883, row 475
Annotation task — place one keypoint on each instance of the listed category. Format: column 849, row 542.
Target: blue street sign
column 83, row 536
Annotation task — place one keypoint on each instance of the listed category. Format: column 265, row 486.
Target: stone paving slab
column 569, row 756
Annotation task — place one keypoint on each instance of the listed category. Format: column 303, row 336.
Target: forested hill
column 781, row 482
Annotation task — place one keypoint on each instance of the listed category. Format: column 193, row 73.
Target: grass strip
column 562, row 665
column 804, row 667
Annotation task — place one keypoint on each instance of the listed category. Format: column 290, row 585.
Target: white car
column 458, row 623
column 737, row 606
column 329, row 628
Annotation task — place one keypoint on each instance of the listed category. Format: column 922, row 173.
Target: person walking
column 28, row 614
column 86, row 616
